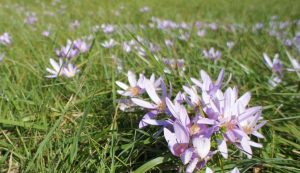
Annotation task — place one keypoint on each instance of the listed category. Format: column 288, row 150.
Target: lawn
column 72, row 118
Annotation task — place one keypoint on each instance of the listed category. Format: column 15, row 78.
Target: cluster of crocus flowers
column 65, row 55
column 276, row 67
column 199, row 122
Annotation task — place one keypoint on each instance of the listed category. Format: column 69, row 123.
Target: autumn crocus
column 135, row 87
column 67, row 51
column 154, row 108
column 5, row 39
column 275, row 65
column 212, row 54
column 206, row 84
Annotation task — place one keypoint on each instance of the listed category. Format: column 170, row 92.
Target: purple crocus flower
column 67, row 51
column 159, row 105
column 5, row 39
column 212, row 54
column 81, row 45
column 230, row 44
column 108, row 28
column 109, row 43
column 232, row 114
column 144, row 9
column 136, row 86
column 31, row 18
column 206, row 84
column 276, row 66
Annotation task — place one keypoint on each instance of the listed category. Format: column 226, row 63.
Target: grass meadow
column 74, row 123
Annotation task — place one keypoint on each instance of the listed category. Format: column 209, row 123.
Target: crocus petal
column 171, row 139
column 246, row 147
column 202, row 146
column 131, row 78
column 235, row 170
column 197, row 82
column 54, row 65
column 181, row 133
column 143, row 103
column 151, row 91
column 192, row 165
column 220, row 79
column 186, row 156
column 156, row 122
column 267, row 60
column 208, row 170
column 254, row 144
column 222, row 146
column 122, row 85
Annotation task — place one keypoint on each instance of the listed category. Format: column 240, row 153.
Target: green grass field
column 75, row 125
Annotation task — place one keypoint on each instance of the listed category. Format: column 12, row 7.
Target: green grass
column 74, row 125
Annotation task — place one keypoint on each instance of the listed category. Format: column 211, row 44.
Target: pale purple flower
column 31, row 18
column 295, row 65
column 258, row 26
column 158, row 105
column 230, row 44
column 108, row 28
column 118, row 62
column 109, row 43
column 144, row 9
column 70, row 70
column 46, row 33
column 5, row 39
column 206, row 84
column 126, row 47
column 212, row 54
column 288, row 43
column 169, row 43
column 201, row 33
column 81, row 45
column 276, row 66
column 74, row 25
column 135, row 87
column 67, row 51
column 57, row 68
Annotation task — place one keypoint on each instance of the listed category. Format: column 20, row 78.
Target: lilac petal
column 206, row 79
column 131, row 78
column 206, row 121
column 197, row 82
column 248, row 113
column 254, row 144
column 220, row 79
column 235, row 170
column 246, row 147
column 186, row 156
column 122, row 85
column 222, row 147
column 202, row 146
column 257, row 134
column 54, row 65
column 171, row 139
column 148, row 115
column 156, row 122
column 228, row 102
column 260, row 125
column 267, row 60
column 151, row 91
column 244, row 99
column 192, row 165
column 208, row 170
column 172, row 108
column 143, row 103
column 164, row 89
column 181, row 133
